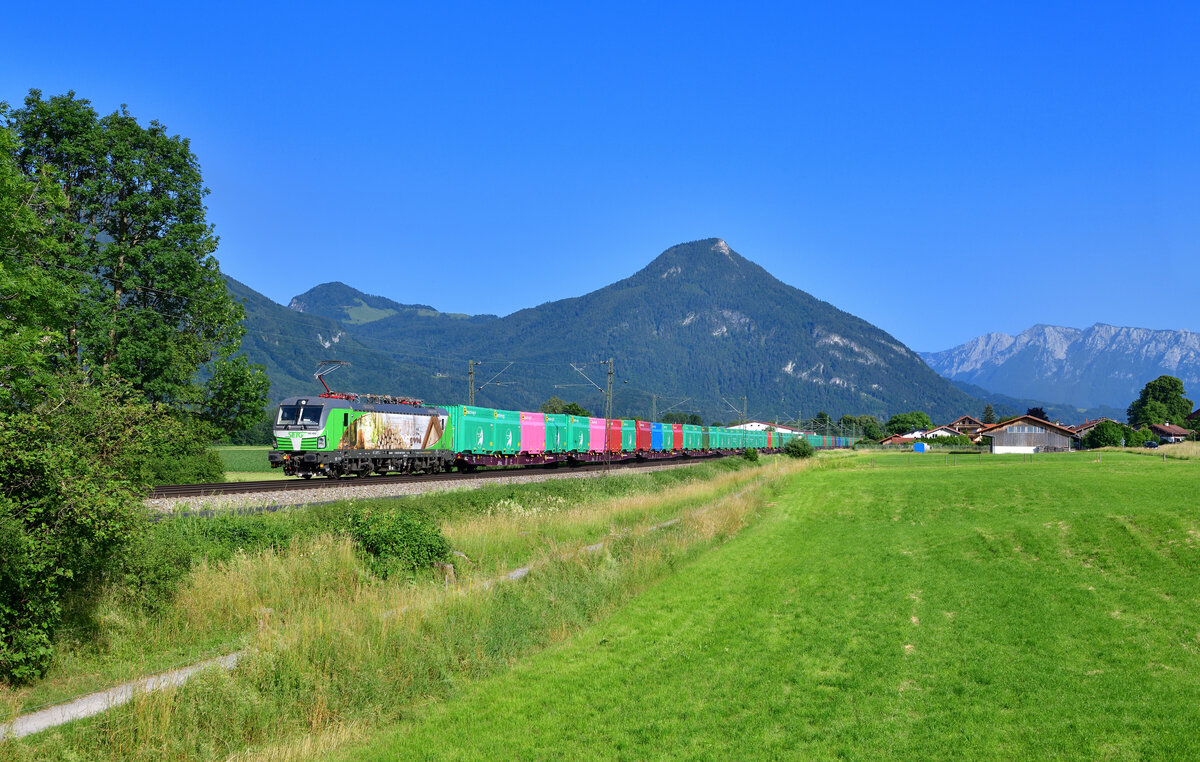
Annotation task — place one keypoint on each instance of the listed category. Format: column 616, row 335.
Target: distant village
column 1022, row 434
column 1030, row 434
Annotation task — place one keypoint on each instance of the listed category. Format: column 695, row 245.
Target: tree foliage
column 1039, row 413
column 866, row 426
column 1105, row 434
column 903, row 423
column 112, row 314
column 133, row 248
column 557, row 406
column 798, row 448
column 989, row 414
column 71, row 498
column 691, row 419
column 1161, row 400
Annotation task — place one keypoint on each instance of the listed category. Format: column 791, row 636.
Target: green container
column 692, row 438
column 578, row 433
column 668, row 437
column 482, row 430
column 556, row 432
column 628, row 436
column 474, row 429
column 508, row 432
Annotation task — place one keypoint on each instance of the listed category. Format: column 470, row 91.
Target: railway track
column 298, row 484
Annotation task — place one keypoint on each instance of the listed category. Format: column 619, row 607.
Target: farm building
column 1026, row 435
column 1169, row 433
column 895, row 439
column 966, row 425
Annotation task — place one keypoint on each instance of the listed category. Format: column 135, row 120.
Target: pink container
column 596, row 433
column 533, row 432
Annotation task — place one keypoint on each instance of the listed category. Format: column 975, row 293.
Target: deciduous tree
column 1161, row 400
column 903, row 423
column 135, row 247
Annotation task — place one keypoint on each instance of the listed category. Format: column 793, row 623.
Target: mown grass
column 217, row 610
column 1007, row 609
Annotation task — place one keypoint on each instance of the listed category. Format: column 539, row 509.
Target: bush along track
column 333, row 648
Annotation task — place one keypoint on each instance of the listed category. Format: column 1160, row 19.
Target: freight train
column 358, row 434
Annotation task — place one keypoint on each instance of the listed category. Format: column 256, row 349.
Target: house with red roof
column 1169, row 433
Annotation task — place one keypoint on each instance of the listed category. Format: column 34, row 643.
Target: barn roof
column 989, row 430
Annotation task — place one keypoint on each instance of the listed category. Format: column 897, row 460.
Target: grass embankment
column 334, row 648
column 1003, row 609
column 247, row 463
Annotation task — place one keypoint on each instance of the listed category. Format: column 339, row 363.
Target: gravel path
column 101, row 701
column 355, row 490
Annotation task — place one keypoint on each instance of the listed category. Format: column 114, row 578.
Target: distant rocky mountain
column 1101, row 365
column 700, row 321
column 1068, row 415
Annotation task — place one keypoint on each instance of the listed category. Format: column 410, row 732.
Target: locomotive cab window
column 311, row 414
column 288, row 414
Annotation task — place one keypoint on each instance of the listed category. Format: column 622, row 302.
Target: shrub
column 798, row 448
column 70, row 503
column 398, row 541
column 1104, row 434
column 1138, row 437
column 750, row 454
column 181, row 454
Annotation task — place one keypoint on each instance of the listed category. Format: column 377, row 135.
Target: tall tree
column 1039, row 413
column 1161, row 400
column 989, row 414
column 903, row 423
column 137, row 249
column 34, row 302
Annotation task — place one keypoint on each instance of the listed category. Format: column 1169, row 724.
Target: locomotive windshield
column 295, row 414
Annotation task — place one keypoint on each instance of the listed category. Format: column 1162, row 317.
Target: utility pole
column 471, row 382
column 653, row 406
column 609, row 394
column 745, row 420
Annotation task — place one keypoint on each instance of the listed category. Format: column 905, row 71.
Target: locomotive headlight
column 320, row 443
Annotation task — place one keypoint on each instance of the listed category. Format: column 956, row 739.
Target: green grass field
column 869, row 605
column 245, row 459
column 1008, row 609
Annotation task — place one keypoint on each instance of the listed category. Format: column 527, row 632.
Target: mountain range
column 1099, row 366
column 700, row 327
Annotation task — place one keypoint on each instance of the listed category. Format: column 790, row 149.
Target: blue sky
column 941, row 170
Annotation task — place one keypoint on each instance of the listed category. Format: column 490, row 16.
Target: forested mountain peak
column 699, row 322
column 701, row 262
